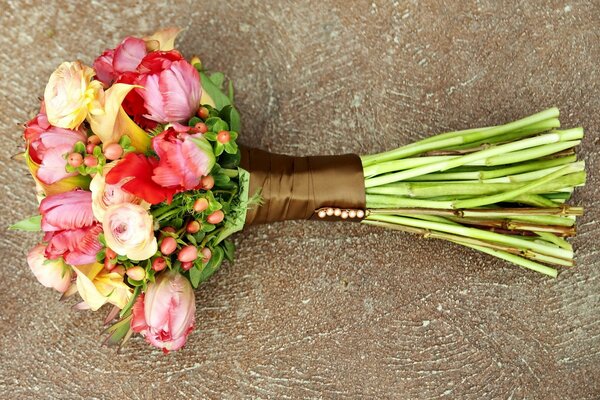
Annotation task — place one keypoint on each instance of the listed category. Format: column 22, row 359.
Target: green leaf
column 31, row 224
column 118, row 332
column 213, row 264
column 232, row 116
column 216, row 124
column 131, row 302
column 217, row 78
column 230, row 94
column 79, row 148
column 237, row 217
column 231, row 160
column 231, row 148
column 195, row 275
column 229, row 249
column 193, row 121
column 221, row 100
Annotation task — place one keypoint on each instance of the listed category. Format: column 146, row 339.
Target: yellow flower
column 97, row 286
column 71, row 95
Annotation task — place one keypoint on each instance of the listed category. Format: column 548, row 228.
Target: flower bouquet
column 141, row 181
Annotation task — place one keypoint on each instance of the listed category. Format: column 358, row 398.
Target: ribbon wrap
column 292, row 188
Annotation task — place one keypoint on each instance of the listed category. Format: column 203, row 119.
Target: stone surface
column 317, row 310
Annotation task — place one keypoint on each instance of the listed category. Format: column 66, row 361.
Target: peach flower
column 105, row 195
column 128, row 230
column 50, row 273
column 71, row 94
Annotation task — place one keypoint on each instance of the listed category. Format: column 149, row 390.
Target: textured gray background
column 315, row 309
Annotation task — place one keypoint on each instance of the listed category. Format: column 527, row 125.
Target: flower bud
column 223, row 137
column 215, row 217
column 113, row 151
column 158, row 264
column 136, row 273
column 206, row 254
column 187, row 254
column 200, row 205
column 193, row 227
column 90, row 161
column 168, row 245
column 75, row 160
column 207, row 182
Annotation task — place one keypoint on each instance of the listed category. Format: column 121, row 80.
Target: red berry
column 110, row 253
column 193, row 227
column 94, row 139
column 207, row 182
column 90, row 161
column 186, row 266
column 136, row 273
column 89, row 148
column 119, row 269
column 108, row 264
column 188, row 253
column 203, row 112
column 158, row 264
column 168, row 245
column 223, row 137
column 169, row 229
column 113, row 151
column 215, row 217
column 75, row 160
column 200, row 205
column 206, row 254
column 201, row 127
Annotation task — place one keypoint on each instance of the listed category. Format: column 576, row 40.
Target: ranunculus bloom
column 171, row 87
column 184, row 159
column 47, row 146
column 71, row 94
column 50, row 273
column 105, row 195
column 71, row 230
column 124, row 58
column 128, row 230
column 165, row 314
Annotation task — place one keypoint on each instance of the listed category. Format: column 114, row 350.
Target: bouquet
column 141, row 182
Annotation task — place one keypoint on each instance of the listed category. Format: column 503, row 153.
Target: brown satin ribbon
column 294, row 187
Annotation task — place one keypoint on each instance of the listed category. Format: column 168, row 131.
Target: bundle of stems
column 501, row 190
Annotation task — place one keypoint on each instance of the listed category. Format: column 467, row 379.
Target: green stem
column 505, row 196
column 476, row 234
column 458, row 138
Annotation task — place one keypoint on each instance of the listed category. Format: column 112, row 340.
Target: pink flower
column 171, row 90
column 165, row 314
column 129, row 231
column 50, row 273
column 124, row 58
column 184, row 159
column 71, row 230
column 48, row 145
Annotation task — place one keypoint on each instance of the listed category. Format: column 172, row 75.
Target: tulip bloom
column 71, row 94
column 124, row 58
column 50, row 273
column 128, row 230
column 71, row 230
column 165, row 314
column 171, row 87
column 184, row 159
column 47, row 146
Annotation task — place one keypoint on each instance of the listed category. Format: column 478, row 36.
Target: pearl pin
column 322, row 213
column 329, row 212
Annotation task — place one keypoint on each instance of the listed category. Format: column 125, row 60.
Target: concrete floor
column 317, row 310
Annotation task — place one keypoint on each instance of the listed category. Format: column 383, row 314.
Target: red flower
column 137, row 170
